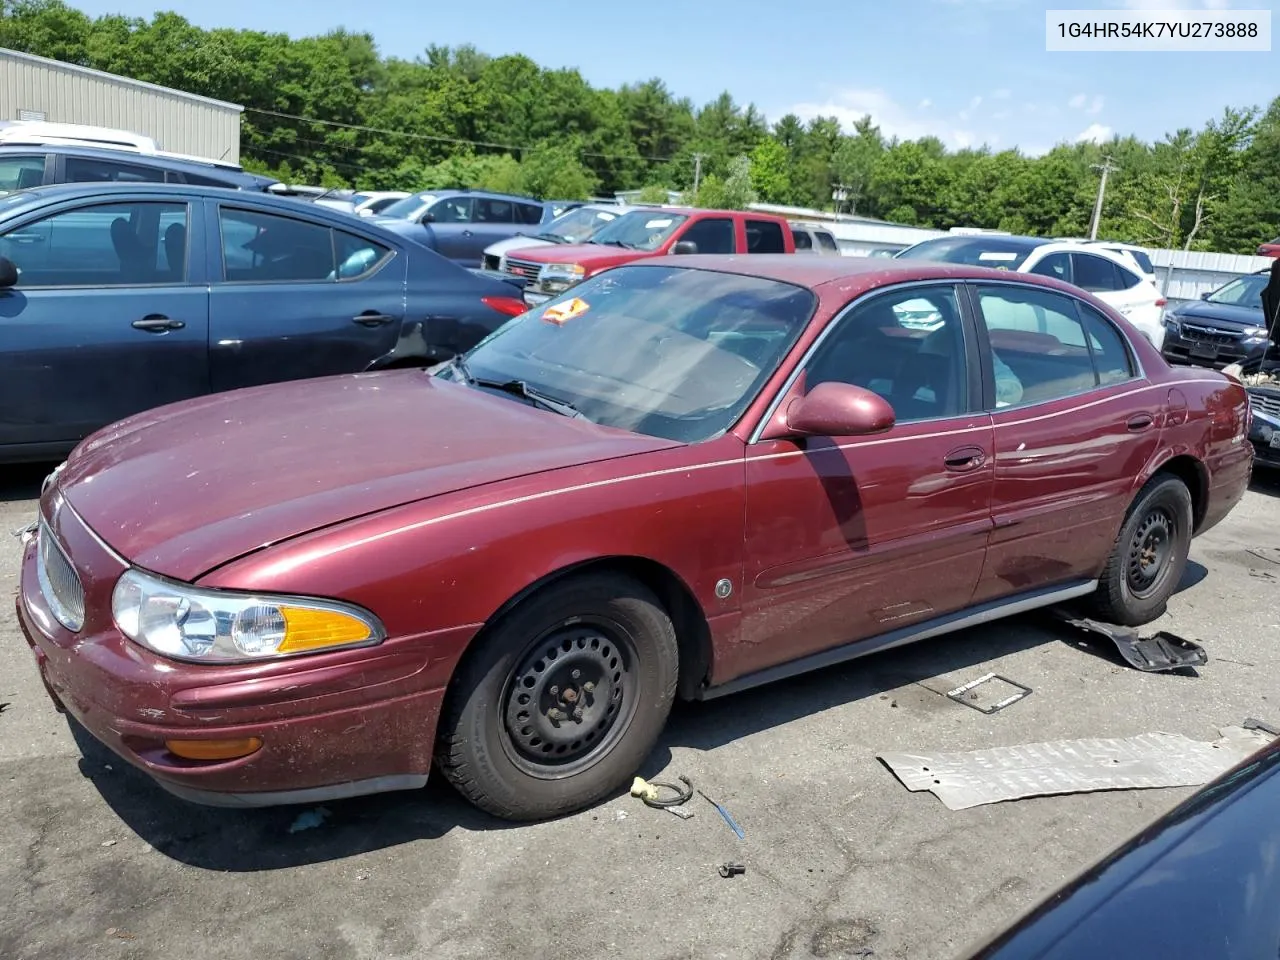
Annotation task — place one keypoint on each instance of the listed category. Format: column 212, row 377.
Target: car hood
column 593, row 256
column 1219, row 312
column 185, row 488
column 516, row 243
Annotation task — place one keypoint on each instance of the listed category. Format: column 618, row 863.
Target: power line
column 436, row 139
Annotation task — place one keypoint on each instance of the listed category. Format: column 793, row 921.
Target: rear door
column 495, row 219
column 109, row 318
column 1074, row 424
column 294, row 297
column 764, row 236
column 710, row 234
column 1123, row 288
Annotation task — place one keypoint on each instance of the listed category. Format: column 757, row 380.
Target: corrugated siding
column 66, row 95
column 1185, row 274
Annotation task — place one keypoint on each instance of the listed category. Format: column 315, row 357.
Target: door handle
column 26, row 238
column 467, row 233
column 1140, row 421
column 965, row 458
column 155, row 323
column 371, row 318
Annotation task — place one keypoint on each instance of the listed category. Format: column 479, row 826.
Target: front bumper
column 336, row 725
column 1264, row 436
column 534, row 299
column 1216, row 353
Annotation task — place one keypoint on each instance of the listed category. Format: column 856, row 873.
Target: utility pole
column 697, row 171
column 1106, row 167
column 840, row 194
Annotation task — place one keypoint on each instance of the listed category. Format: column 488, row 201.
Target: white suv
column 1112, row 277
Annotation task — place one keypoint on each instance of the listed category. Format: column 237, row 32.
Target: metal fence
column 1185, row 274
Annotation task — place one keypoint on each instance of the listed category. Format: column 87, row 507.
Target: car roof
column 816, row 272
column 137, row 159
column 34, row 198
column 491, row 194
column 1005, row 240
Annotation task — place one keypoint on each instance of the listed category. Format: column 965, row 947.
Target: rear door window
column 356, row 255
column 801, row 239
column 1056, row 265
column 1096, row 274
column 826, row 241
column 529, row 213
column 89, row 170
column 765, row 236
column 20, row 173
column 260, row 248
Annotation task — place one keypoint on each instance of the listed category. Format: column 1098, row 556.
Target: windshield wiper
column 519, row 388
column 550, row 237
column 620, row 243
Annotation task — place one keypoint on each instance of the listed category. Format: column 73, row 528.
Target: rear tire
column 1149, row 556
column 562, row 700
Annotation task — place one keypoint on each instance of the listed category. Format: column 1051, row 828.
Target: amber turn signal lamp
column 213, row 749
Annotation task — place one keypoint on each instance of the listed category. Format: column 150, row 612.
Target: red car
column 644, row 234
column 679, row 479
column 1271, row 249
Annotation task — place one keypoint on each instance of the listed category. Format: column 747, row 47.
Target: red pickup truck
column 640, row 234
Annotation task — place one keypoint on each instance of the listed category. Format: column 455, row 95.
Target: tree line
column 331, row 110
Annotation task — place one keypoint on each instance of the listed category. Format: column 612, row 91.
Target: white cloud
column 975, row 103
column 925, row 104
column 1004, row 93
column 1094, row 133
column 1095, row 105
column 1078, row 101
column 850, row 105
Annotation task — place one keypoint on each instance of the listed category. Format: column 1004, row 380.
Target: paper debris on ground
column 970, row 779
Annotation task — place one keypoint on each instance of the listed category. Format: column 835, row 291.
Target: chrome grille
column 58, row 581
column 1201, row 334
column 1266, row 402
column 523, row 268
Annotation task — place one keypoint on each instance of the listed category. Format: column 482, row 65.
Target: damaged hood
column 185, row 488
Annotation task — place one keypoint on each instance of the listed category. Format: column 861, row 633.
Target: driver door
column 851, row 537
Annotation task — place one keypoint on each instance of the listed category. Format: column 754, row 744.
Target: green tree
column 553, row 171
column 770, row 171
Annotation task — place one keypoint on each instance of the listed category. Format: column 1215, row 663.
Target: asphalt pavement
column 841, row 860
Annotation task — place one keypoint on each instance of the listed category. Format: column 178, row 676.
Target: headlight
column 216, row 626
column 555, row 277
column 1171, row 323
column 1254, row 332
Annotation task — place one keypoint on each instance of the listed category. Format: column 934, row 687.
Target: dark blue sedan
column 115, row 299
column 1224, row 326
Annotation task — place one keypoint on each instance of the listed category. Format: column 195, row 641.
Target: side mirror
column 428, row 218
column 8, row 273
column 1206, row 295
column 839, row 410
column 685, row 246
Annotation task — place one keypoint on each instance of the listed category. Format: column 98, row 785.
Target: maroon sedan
column 681, row 478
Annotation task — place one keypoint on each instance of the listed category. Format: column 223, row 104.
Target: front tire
column 561, row 701
column 1149, row 556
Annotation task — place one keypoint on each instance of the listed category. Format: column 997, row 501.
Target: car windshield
column 408, row 208
column 1241, row 292
column 579, row 224
column 668, row 352
column 640, row 229
column 1002, row 253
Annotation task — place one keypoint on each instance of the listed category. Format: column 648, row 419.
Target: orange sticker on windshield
column 564, row 312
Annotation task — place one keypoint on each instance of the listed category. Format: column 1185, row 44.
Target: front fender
column 452, row 562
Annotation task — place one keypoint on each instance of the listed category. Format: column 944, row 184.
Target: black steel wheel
column 1149, row 555
column 560, row 701
column 570, row 698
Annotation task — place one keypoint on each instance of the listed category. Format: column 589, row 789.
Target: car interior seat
column 175, row 250
column 129, row 249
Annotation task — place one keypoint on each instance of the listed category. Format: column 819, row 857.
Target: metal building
column 35, row 88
